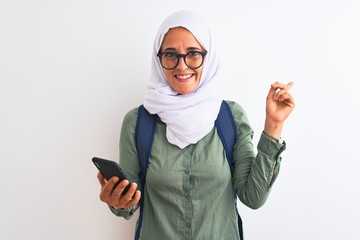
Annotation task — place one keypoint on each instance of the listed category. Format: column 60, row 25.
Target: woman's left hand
column 279, row 102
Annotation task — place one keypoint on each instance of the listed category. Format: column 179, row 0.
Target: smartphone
column 110, row 169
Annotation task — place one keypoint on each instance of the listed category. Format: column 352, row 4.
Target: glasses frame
column 179, row 55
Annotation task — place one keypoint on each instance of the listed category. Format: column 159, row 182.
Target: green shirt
column 189, row 193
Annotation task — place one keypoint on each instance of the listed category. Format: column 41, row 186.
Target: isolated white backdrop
column 71, row 69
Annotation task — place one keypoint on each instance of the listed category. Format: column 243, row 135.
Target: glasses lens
column 194, row 59
column 169, row 60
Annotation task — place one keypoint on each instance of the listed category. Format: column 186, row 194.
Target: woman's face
column 182, row 79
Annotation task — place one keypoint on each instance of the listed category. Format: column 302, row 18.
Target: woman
column 189, row 190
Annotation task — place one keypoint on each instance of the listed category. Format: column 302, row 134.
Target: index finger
column 289, row 85
column 108, row 187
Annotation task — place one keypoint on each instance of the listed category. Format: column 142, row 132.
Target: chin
column 185, row 90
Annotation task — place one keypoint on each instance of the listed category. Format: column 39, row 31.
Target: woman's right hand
column 115, row 198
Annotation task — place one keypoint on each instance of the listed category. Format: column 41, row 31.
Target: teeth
column 184, row 76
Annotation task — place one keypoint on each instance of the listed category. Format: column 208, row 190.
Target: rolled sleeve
column 270, row 148
column 126, row 213
column 269, row 153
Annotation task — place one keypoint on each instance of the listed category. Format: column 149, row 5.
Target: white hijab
column 191, row 116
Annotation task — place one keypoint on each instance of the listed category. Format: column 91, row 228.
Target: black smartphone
column 110, row 169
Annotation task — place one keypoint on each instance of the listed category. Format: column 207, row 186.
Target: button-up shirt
column 189, row 193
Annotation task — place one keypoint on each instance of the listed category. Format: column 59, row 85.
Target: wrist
column 273, row 128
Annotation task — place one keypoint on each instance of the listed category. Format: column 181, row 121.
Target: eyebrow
column 188, row 49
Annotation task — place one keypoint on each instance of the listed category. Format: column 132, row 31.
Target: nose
column 182, row 64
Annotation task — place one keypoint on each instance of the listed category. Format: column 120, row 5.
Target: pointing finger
column 289, row 85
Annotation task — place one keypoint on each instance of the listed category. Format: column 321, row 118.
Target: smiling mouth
column 184, row 77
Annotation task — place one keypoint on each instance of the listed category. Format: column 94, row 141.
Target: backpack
column 144, row 136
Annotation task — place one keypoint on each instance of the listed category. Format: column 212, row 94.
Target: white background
column 71, row 69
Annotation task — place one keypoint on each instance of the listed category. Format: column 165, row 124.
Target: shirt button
column 187, row 171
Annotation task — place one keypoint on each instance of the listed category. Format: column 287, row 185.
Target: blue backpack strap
column 144, row 137
column 226, row 128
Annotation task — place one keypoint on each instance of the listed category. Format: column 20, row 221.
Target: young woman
column 189, row 190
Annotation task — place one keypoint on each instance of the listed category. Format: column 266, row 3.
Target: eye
column 169, row 55
column 194, row 54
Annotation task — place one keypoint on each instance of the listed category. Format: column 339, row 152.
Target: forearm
column 254, row 175
column 128, row 161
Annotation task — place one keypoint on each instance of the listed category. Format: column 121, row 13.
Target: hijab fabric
column 188, row 117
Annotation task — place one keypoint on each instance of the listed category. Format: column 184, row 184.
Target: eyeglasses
column 170, row 60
